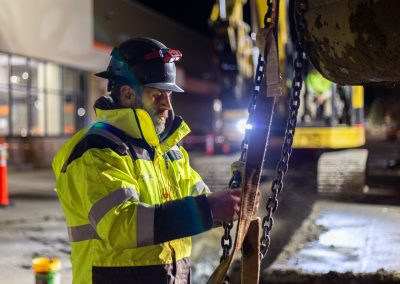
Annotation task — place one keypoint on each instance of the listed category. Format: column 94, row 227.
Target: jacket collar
column 138, row 124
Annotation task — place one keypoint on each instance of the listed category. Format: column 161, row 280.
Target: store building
column 49, row 52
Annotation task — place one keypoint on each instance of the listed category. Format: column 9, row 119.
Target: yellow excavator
column 343, row 129
column 345, row 126
column 314, row 27
column 235, row 51
column 353, row 43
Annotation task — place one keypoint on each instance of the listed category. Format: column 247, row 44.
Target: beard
column 158, row 120
column 159, row 123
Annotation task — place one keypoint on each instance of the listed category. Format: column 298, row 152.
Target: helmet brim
column 161, row 85
column 165, row 86
column 104, row 74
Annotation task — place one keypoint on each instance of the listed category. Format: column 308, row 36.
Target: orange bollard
column 3, row 175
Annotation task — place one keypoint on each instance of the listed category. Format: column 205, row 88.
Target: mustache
column 160, row 117
column 161, row 113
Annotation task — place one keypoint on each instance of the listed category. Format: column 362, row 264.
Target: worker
column 319, row 96
column 130, row 197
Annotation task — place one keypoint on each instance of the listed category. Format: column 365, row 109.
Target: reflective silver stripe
column 175, row 148
column 105, row 204
column 141, row 153
column 199, row 188
column 175, row 155
column 145, row 225
column 81, row 233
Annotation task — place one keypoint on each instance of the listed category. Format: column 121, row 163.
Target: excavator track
column 342, row 172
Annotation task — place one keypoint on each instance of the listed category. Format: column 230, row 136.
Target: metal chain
column 268, row 15
column 282, row 167
column 236, row 180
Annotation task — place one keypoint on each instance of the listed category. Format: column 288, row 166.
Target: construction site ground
column 314, row 239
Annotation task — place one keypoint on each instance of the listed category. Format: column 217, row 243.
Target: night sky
column 193, row 14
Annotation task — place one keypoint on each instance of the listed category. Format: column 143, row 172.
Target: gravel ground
column 30, row 228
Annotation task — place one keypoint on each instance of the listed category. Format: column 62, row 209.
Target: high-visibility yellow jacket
column 317, row 83
column 129, row 199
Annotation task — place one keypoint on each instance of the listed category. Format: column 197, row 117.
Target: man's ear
column 127, row 95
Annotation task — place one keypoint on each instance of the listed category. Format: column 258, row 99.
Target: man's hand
column 225, row 204
column 320, row 100
column 238, row 167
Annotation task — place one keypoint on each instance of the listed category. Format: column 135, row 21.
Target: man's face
column 158, row 104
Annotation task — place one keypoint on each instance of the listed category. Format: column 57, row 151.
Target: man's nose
column 165, row 101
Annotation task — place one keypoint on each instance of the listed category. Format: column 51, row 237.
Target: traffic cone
column 3, row 176
column 209, row 144
column 226, row 148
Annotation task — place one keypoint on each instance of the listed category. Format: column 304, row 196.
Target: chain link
column 268, row 15
column 226, row 240
column 282, row 167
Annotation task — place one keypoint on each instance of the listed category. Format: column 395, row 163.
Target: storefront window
column 4, row 70
column 19, row 94
column 37, row 121
column 53, row 114
column 19, row 71
column 19, row 112
column 37, row 69
column 53, row 107
column 71, row 80
column 37, row 114
column 69, row 114
column 46, row 98
column 4, row 111
column 4, row 95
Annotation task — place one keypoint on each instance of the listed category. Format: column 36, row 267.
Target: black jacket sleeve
column 182, row 218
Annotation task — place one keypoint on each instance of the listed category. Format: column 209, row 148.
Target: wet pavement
column 344, row 237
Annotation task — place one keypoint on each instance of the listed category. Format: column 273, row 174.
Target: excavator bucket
column 354, row 42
